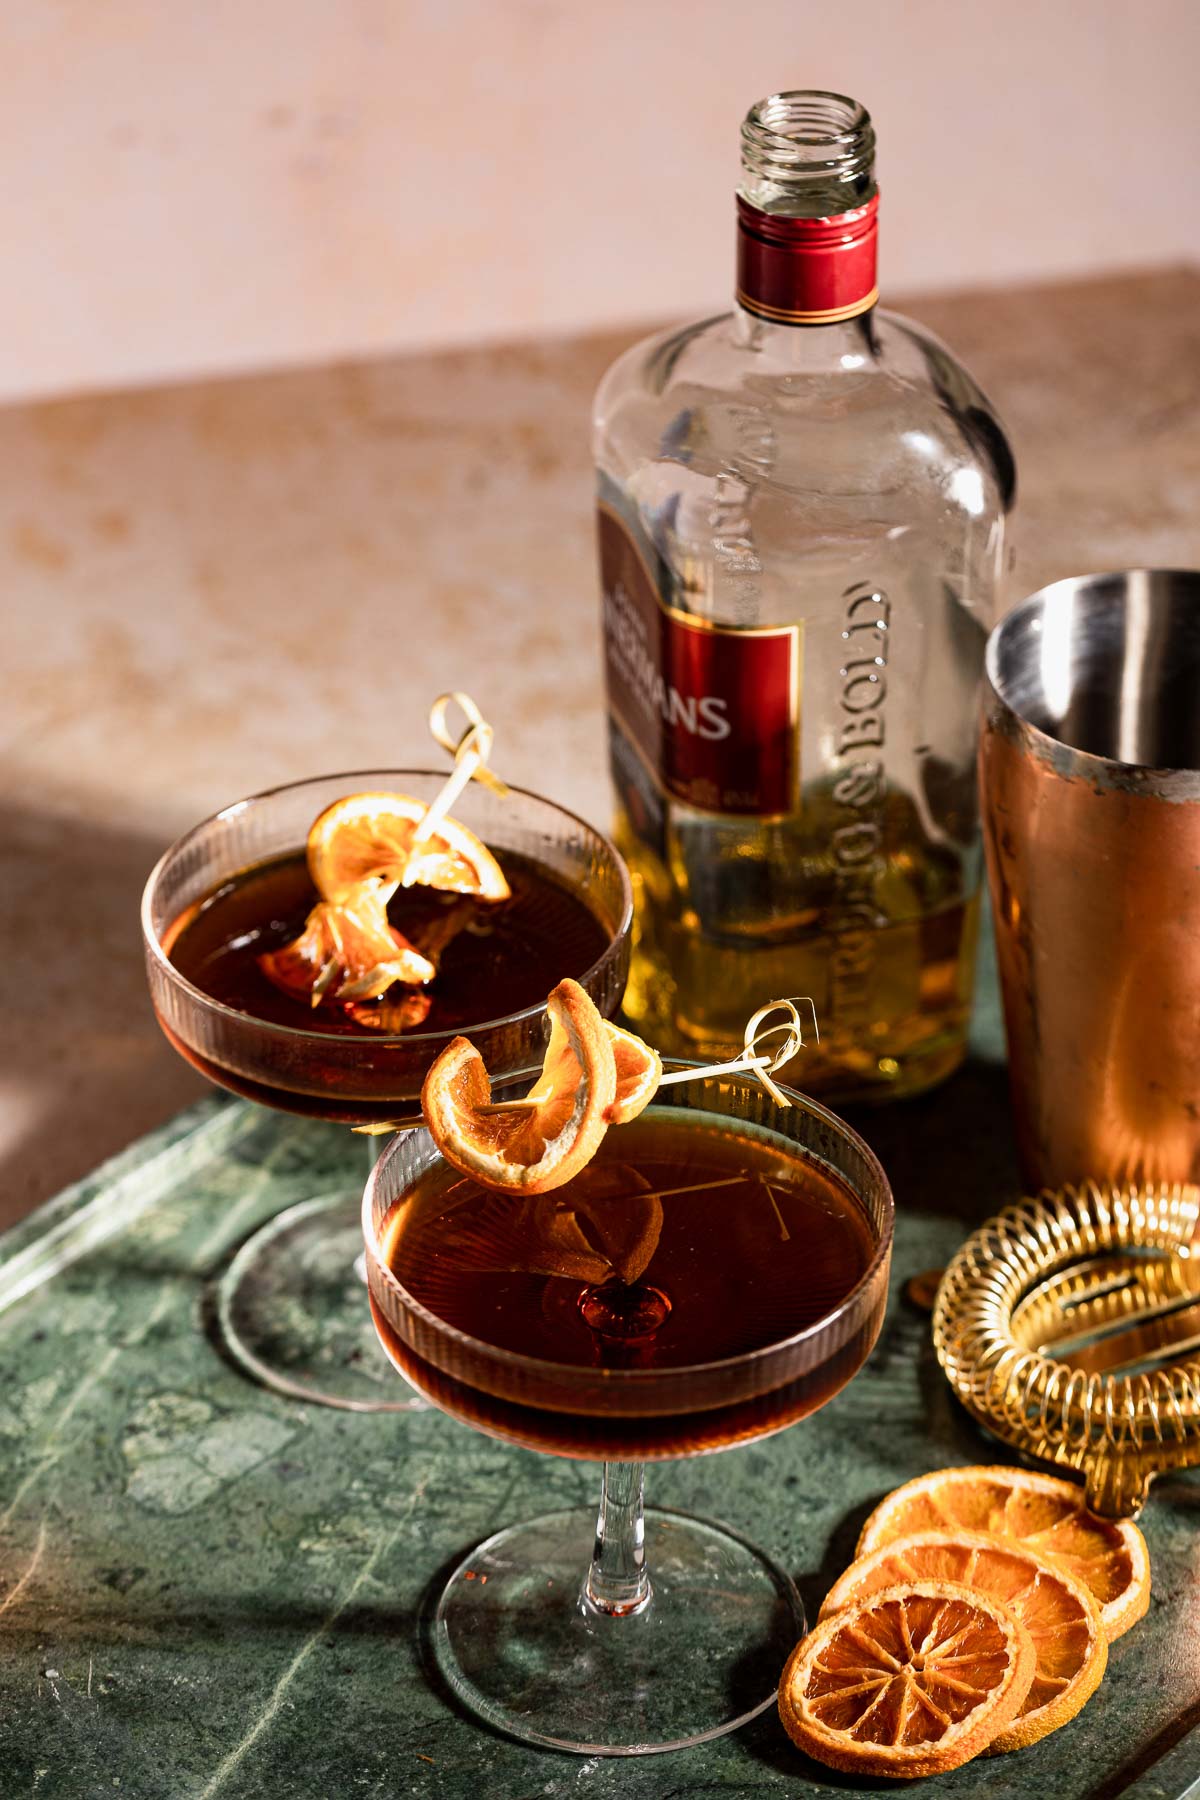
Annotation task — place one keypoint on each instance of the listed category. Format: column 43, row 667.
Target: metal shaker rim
column 1099, row 676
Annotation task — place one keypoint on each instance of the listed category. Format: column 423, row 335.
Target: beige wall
column 193, row 187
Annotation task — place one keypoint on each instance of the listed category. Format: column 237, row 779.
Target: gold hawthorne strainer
column 1069, row 1325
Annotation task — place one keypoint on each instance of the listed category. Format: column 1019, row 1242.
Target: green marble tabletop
column 208, row 1590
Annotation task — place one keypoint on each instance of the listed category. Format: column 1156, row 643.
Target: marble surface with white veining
column 212, row 1592
column 212, row 588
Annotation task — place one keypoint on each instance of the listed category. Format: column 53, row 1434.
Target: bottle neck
column 807, row 209
column 793, row 270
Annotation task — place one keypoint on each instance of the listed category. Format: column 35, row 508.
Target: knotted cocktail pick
column 753, row 1059
column 757, row 1033
column 470, row 750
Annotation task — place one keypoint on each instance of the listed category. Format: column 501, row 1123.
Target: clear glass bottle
column 803, row 509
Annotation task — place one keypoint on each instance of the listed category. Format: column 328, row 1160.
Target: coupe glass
column 290, row 1305
column 634, row 1631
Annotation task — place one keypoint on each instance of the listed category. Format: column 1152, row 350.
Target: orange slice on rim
column 1058, row 1612
column 1043, row 1513
column 348, row 951
column 639, row 1071
column 912, row 1680
column 537, row 1144
column 366, row 835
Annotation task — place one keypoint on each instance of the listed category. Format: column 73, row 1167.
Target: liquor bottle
column 802, row 514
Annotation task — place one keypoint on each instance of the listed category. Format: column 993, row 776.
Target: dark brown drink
column 494, row 959
column 687, row 1242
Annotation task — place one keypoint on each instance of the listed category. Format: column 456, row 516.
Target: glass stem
column 617, row 1582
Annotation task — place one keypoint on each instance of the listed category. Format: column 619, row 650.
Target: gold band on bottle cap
column 781, row 315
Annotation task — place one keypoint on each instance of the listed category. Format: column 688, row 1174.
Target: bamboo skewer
column 470, row 751
column 749, row 1062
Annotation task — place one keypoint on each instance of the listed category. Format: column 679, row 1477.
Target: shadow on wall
column 83, row 1066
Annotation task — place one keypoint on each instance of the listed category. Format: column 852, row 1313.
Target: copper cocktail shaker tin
column 1090, row 779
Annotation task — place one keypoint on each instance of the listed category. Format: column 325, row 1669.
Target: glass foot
column 292, row 1310
column 519, row 1646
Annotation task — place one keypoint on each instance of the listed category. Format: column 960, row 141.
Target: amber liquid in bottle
column 893, row 999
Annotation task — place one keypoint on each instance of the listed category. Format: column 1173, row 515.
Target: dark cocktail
column 493, row 959
column 716, row 1272
column 237, row 889
column 745, row 1240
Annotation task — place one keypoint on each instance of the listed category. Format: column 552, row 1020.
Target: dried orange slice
column 1042, row 1512
column 639, row 1071
column 912, row 1680
column 1059, row 1613
column 348, row 951
column 367, row 835
column 550, row 1136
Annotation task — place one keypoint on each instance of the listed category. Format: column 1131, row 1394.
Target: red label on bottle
column 807, row 271
column 712, row 710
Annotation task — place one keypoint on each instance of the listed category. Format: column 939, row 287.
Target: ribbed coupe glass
column 290, row 1306
column 636, row 1631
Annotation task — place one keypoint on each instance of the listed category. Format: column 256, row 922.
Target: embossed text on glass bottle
column 803, row 509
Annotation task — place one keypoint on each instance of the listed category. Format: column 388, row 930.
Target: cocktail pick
column 470, row 750
column 752, row 1059
column 759, row 1032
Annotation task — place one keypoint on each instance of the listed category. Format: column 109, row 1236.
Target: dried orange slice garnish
column 366, row 835
column 1042, row 1512
column 549, row 1137
column 639, row 1071
column 1059, row 1613
column 912, row 1680
column 348, row 951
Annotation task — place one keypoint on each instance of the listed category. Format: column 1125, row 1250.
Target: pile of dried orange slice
column 977, row 1616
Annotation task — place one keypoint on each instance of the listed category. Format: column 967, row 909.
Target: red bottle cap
column 807, row 271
